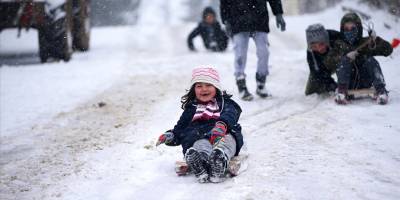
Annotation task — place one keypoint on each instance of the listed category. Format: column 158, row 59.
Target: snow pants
column 360, row 74
column 228, row 146
column 241, row 45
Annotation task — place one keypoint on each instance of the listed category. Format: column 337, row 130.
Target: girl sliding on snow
column 208, row 128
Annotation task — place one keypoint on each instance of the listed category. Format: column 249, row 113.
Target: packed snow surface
column 86, row 129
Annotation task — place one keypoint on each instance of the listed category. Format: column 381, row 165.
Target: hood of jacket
column 351, row 17
column 208, row 10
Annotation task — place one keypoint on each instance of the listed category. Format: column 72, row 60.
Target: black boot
column 219, row 164
column 261, row 90
column 197, row 162
column 243, row 92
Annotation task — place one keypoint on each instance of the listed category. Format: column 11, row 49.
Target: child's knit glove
column 167, row 137
column 217, row 133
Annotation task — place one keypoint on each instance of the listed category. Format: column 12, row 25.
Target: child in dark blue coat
column 208, row 128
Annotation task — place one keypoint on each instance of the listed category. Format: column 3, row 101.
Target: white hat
column 206, row 75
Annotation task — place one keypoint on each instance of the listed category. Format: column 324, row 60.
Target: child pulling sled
column 208, row 128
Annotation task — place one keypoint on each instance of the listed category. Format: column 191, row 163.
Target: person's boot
column 341, row 95
column 382, row 96
column 261, row 90
column 219, row 165
column 243, row 92
column 197, row 163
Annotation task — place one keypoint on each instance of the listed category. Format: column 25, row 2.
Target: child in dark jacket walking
column 214, row 38
column 208, row 128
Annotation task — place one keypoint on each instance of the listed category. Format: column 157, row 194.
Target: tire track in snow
column 291, row 115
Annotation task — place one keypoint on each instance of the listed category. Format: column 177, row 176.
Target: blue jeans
column 360, row 74
column 241, row 44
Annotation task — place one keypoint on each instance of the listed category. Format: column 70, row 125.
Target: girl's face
column 205, row 92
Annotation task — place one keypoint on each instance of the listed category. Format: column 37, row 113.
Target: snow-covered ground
column 59, row 142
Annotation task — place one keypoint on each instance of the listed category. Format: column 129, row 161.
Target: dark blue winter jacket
column 248, row 15
column 187, row 132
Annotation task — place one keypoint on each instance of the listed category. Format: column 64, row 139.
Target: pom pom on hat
column 206, row 75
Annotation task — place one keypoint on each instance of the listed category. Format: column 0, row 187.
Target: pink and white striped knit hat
column 206, row 75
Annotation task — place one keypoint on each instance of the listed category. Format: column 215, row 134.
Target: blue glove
column 280, row 22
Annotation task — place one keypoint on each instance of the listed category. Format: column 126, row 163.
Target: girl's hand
column 218, row 132
column 167, row 137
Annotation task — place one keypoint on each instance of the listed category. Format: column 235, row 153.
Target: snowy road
column 95, row 138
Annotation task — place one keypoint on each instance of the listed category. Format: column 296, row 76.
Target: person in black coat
column 319, row 42
column 249, row 19
column 214, row 38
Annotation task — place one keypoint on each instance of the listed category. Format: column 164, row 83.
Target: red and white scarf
column 207, row 111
